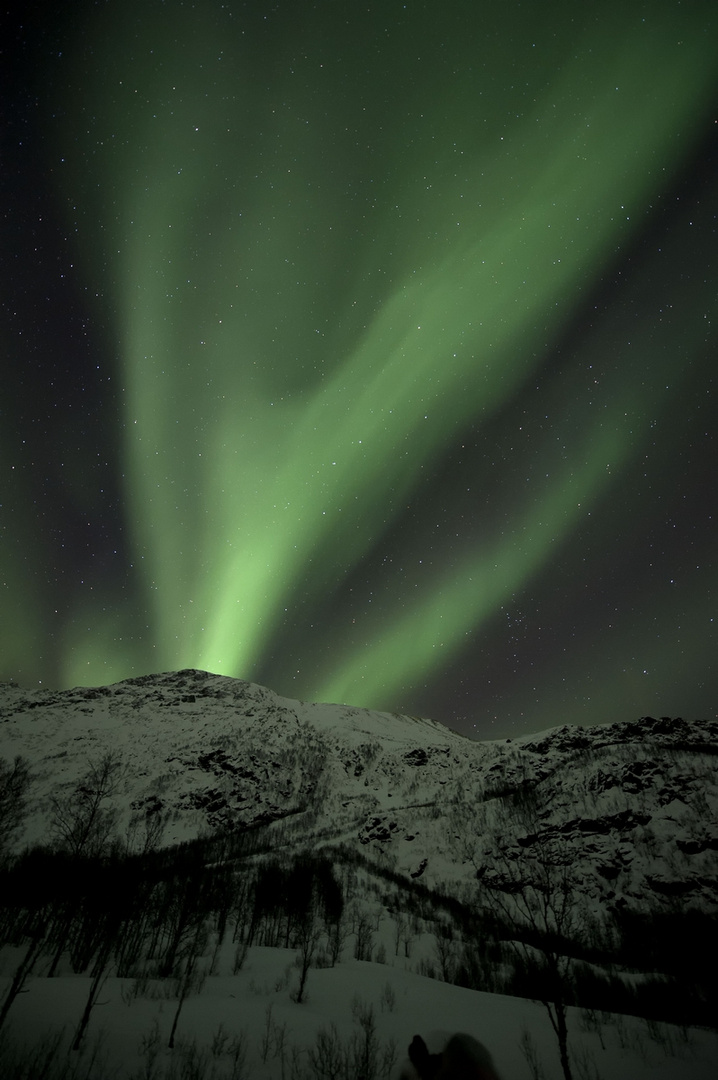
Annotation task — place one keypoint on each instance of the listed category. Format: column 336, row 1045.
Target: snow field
column 276, row 1033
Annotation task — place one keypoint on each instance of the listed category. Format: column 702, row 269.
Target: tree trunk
column 562, row 1033
column 95, row 987
column 21, row 973
column 180, row 1003
column 557, row 1015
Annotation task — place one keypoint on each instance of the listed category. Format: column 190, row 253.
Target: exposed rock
column 631, row 806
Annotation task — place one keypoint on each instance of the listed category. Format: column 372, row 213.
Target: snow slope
column 256, row 1005
column 635, row 803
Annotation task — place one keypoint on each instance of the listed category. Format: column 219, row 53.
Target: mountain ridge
column 634, row 803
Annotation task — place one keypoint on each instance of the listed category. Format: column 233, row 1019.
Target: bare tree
column 362, row 927
column 14, row 784
column 23, row 970
column 145, row 831
column 403, row 933
column 82, row 822
column 190, row 978
column 529, row 888
column 526, row 884
column 337, row 934
column 113, row 896
column 99, row 978
column 308, row 937
column 182, row 905
column 446, row 952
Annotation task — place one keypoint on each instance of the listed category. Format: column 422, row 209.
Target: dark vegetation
column 100, row 905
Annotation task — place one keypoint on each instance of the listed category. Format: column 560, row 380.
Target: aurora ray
column 322, row 282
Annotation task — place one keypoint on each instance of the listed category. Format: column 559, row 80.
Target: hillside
column 194, row 844
column 634, row 804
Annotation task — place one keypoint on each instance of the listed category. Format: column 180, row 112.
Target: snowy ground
column 406, row 775
column 276, row 1031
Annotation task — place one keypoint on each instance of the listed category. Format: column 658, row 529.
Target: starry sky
column 366, row 351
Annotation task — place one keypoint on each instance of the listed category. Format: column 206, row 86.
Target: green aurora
column 338, row 253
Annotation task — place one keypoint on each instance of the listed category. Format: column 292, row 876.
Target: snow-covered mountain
column 578, row 868
column 634, row 804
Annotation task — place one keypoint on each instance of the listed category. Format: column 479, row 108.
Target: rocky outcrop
column 633, row 806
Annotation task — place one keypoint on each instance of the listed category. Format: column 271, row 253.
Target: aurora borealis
column 366, row 352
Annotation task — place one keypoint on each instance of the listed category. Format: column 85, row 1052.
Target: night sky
column 366, row 351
